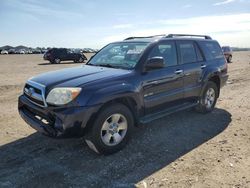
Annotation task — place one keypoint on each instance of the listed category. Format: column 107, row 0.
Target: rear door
column 193, row 64
column 70, row 55
column 63, row 54
column 163, row 88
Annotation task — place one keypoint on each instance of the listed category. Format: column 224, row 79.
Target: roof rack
column 130, row 38
column 187, row 35
column 170, row 36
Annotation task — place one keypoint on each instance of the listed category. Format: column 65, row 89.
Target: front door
column 163, row 88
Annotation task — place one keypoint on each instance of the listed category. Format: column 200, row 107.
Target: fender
column 115, row 91
column 209, row 73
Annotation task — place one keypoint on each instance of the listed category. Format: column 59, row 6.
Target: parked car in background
column 137, row 80
column 29, row 51
column 43, row 51
column 36, row 51
column 4, row 52
column 22, row 51
column 88, row 50
column 11, row 51
column 228, row 53
column 56, row 55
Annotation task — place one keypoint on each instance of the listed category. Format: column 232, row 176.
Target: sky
column 94, row 23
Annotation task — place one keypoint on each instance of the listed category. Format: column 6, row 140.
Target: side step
column 161, row 114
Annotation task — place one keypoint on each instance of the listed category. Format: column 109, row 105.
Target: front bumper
column 55, row 121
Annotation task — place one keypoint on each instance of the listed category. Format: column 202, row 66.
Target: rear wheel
column 229, row 59
column 208, row 99
column 111, row 129
column 57, row 60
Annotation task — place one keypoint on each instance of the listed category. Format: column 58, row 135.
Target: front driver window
column 167, row 51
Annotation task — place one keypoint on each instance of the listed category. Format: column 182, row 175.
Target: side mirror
column 154, row 63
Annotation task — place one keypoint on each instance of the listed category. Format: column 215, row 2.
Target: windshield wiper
column 110, row 66
column 105, row 65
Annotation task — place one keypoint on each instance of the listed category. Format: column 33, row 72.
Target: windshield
column 119, row 55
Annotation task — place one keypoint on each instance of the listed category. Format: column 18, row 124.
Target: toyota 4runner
column 126, row 83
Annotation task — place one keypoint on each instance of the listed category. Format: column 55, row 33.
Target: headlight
column 60, row 96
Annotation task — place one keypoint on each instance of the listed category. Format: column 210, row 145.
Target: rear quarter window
column 189, row 52
column 212, row 50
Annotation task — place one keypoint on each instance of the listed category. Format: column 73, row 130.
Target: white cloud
column 232, row 29
column 35, row 8
column 224, row 2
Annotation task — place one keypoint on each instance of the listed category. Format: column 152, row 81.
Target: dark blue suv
column 126, row 83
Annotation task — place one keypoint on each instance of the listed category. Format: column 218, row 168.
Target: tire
column 229, row 59
column 57, row 61
column 208, row 98
column 111, row 129
column 52, row 62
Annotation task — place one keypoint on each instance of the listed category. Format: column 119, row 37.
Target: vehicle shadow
column 39, row 161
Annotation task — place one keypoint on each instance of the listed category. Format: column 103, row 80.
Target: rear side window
column 198, row 53
column 226, row 49
column 188, row 52
column 212, row 50
column 63, row 51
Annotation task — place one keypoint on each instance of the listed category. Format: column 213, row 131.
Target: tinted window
column 69, row 51
column 187, row 52
column 198, row 53
column 166, row 50
column 212, row 50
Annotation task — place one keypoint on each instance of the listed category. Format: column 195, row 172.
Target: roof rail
column 187, row 35
column 130, row 38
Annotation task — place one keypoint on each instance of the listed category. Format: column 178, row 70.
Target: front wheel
column 229, row 59
column 111, row 129
column 208, row 98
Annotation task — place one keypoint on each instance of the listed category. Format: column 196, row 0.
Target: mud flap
column 91, row 146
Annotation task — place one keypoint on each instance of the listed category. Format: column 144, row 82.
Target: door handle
column 203, row 66
column 154, row 82
column 178, row 71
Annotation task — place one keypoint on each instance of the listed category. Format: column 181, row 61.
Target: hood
column 77, row 76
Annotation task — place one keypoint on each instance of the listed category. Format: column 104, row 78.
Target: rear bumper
column 46, row 58
column 55, row 122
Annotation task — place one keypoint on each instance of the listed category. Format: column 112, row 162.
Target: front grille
column 35, row 93
column 36, row 90
column 34, row 100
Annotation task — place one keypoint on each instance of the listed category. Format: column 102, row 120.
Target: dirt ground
column 185, row 149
